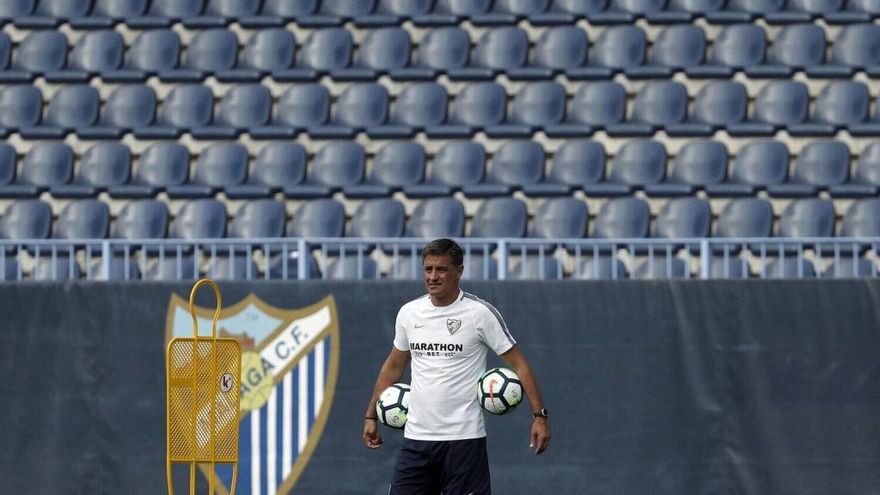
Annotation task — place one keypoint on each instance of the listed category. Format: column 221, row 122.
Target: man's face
column 441, row 276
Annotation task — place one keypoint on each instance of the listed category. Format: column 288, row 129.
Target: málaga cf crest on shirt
column 290, row 360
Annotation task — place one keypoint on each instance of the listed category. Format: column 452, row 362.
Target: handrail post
column 302, row 263
column 704, row 259
column 502, row 259
column 105, row 259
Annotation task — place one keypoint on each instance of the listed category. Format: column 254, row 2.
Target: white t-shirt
column 448, row 347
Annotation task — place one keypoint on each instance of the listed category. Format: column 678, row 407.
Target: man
column 444, row 444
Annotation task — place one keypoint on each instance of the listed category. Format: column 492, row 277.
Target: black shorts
column 454, row 467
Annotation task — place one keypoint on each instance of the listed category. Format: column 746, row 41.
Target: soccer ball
column 499, row 390
column 393, row 405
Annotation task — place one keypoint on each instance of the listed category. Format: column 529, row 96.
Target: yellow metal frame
column 185, row 428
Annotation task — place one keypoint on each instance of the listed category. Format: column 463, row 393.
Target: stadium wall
column 665, row 387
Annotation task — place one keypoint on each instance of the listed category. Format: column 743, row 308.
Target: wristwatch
column 541, row 414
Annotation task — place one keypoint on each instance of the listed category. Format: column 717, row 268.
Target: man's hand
column 372, row 438
column 540, row 439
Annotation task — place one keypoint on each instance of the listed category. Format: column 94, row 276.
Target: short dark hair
column 440, row 247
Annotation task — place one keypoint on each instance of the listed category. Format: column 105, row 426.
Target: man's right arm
column 390, row 373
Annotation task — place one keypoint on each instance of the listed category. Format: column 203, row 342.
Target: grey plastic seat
column 71, row 107
column 103, row 166
column 789, row 268
column 84, row 219
column 337, row 165
column 638, row 7
column 696, row 6
column 730, row 267
column 128, row 107
column 595, row 105
column 477, row 266
column 326, row 50
column 361, row 106
column 98, row 51
column 436, row 217
column 756, row 6
column 738, row 46
column 744, row 217
column 622, row 218
column 419, row 105
column 600, row 268
column 172, row 267
column 351, row 267
column 119, row 269
column 576, row 164
column 396, row 165
column 118, row 9
column 159, row 166
column 819, row 165
column 269, row 50
column 840, row 104
column 865, row 179
column 455, row 165
column 277, row 166
column 288, row 9
column 850, row 267
column 857, row 46
column 620, row 47
column 47, row 165
column 404, row 8
column 535, row 106
column 377, row 218
column 478, row 105
column 231, row 8
column 383, row 50
column 679, row 47
column 258, row 219
column 778, row 104
column 813, row 217
column 26, row 219
column 501, row 49
column 819, row 7
column 636, row 164
column 200, row 219
column 176, row 8
column 798, row 46
column 559, row 218
column 318, row 218
column 719, row 104
column 185, row 107
column 16, row 8
column 661, row 268
column 698, row 164
column 286, row 268
column 758, row 164
column 60, row 267
column 443, row 49
column 302, row 106
column 243, row 107
column 224, row 267
column 21, row 106
column 219, row 166
column 211, row 50
column 514, row 165
column 462, row 8
column 41, row 52
column 347, row 8
column 657, row 105
column 499, row 218
column 561, row 48
column 862, row 219
column 683, row 218
column 154, row 51
column 537, row 268
column 141, row 219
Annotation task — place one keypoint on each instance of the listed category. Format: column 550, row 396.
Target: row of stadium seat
column 555, row 218
column 207, row 13
column 529, row 267
column 478, row 107
column 620, row 49
column 577, row 165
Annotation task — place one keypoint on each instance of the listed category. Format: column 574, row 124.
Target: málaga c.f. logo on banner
column 290, row 361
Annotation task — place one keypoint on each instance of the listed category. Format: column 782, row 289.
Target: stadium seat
column 244, row 106
column 47, row 165
column 18, row 8
column 595, row 105
column 127, row 108
column 779, row 104
column 347, row 8
column 269, row 51
column 795, row 47
column 498, row 50
column 497, row 218
column 742, row 218
column 394, row 11
column 436, row 217
column 679, row 47
column 98, row 51
column 558, row 218
column 701, row 7
column 396, row 165
column 576, row 164
column 717, row 105
column 514, row 165
column 210, row 51
column 819, row 165
column 377, row 218
column 478, row 105
column 48, row 13
column 417, row 106
column 452, row 11
column 757, row 165
column 862, row 219
column 26, row 219
column 200, row 219
column 317, row 218
column 442, row 49
column 119, row 269
column 683, row 218
column 72, row 106
column 84, row 219
column 479, row 267
column 237, row 267
column 301, row 107
column 622, row 218
column 21, row 107
column 218, row 166
column 105, row 12
column 284, row 268
column 335, row 166
column 600, row 268
column 277, row 166
column 857, row 46
column 660, row 268
column 617, row 48
column 535, row 106
column 40, row 52
column 285, row 10
column 789, row 267
column 730, row 267
column 185, row 107
column 805, row 218
column 855, row 11
column 840, row 104
column 141, row 219
column 455, row 165
column 55, row 268
column 326, row 50
column 865, row 179
column 359, row 107
column 850, row 267
column 103, row 166
column 558, row 49
column 176, row 9
column 656, row 106
column 535, row 267
column 172, row 267
column 159, row 166
column 258, row 219
column 352, row 267
column 152, row 52
column 735, row 47
column 383, row 50
column 636, row 164
column 698, row 164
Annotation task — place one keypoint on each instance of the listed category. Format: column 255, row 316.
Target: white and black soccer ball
column 499, row 390
column 393, row 404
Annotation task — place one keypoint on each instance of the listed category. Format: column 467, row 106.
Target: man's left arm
column 540, row 437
